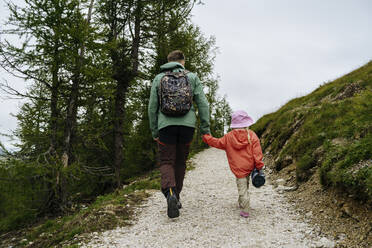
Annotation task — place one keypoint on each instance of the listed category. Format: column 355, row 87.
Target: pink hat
column 240, row 119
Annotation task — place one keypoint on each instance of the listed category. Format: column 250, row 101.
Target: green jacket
column 158, row 120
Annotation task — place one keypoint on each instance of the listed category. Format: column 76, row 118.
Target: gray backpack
column 175, row 94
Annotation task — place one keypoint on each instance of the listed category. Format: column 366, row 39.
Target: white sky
column 270, row 50
column 274, row 50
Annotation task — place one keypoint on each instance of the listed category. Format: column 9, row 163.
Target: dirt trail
column 210, row 216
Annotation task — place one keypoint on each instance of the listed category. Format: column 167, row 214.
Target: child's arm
column 215, row 142
column 257, row 152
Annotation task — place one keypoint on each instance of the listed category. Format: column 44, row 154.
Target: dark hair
column 176, row 55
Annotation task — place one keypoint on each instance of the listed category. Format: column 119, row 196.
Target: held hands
column 158, row 141
column 205, row 136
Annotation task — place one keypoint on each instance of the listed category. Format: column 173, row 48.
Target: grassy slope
column 330, row 130
column 105, row 213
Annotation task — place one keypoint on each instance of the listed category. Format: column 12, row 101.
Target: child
column 243, row 152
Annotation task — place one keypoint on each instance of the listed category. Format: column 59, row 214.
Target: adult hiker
column 172, row 123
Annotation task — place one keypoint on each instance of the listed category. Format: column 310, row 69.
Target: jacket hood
column 239, row 139
column 171, row 66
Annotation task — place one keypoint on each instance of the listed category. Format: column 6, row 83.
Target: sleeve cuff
column 205, row 131
column 155, row 134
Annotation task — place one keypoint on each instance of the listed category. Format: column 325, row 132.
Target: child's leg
column 243, row 184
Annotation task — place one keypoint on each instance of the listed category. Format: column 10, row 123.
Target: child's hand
column 205, row 138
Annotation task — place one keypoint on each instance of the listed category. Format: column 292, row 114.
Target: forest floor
column 210, row 216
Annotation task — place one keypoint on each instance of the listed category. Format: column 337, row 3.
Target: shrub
column 303, row 167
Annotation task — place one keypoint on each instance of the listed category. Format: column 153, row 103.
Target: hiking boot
column 244, row 214
column 172, row 202
column 179, row 205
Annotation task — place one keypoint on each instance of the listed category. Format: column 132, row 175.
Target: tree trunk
column 71, row 118
column 123, row 77
column 72, row 107
column 71, row 113
column 136, row 38
column 118, row 128
column 53, row 104
column 54, row 195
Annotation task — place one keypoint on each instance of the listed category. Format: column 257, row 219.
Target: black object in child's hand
column 258, row 178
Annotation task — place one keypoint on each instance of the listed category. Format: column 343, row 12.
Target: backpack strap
column 170, row 72
column 176, row 74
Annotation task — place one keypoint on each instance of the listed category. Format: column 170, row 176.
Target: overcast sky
column 271, row 50
column 274, row 50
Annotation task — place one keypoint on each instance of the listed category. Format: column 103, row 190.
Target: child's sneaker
column 244, row 214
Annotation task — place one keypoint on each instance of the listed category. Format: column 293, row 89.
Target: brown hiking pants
column 174, row 149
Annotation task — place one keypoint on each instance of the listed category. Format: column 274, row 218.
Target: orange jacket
column 243, row 156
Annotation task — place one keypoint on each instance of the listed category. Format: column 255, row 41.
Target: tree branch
column 9, row 64
column 7, row 89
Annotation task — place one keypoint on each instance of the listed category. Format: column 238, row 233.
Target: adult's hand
column 158, row 141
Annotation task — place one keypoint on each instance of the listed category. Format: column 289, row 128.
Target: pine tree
column 84, row 127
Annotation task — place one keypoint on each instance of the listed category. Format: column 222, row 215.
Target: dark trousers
column 174, row 149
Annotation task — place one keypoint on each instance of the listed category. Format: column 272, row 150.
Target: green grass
column 340, row 168
column 106, row 212
column 328, row 129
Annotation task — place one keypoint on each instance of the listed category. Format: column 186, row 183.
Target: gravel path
column 210, row 216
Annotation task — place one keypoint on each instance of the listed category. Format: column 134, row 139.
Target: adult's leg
column 183, row 147
column 180, row 168
column 167, row 157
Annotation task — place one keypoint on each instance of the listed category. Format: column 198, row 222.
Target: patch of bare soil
column 338, row 215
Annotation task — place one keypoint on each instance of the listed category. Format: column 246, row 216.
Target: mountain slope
column 328, row 131
column 318, row 149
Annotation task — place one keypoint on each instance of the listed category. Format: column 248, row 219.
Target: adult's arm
column 153, row 109
column 203, row 106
